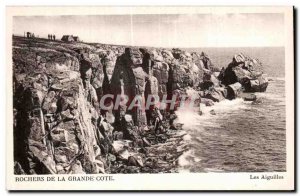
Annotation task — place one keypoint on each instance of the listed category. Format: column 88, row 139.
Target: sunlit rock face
column 56, row 122
column 61, row 128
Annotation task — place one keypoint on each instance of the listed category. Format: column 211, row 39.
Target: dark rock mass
column 61, row 126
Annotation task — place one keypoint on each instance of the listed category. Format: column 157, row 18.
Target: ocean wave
column 208, row 133
column 225, row 106
column 276, row 78
column 270, row 96
column 184, row 159
column 188, row 117
column 192, row 120
column 187, row 137
column 214, row 170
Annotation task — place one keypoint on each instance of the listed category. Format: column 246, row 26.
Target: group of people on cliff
column 51, row 37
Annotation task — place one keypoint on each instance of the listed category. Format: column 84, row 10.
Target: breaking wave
column 236, row 135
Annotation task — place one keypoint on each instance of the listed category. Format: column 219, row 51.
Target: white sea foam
column 277, row 78
column 271, row 96
column 191, row 92
column 223, row 107
column 188, row 117
column 183, row 159
column 182, row 170
column 197, row 159
column 187, row 137
column 193, row 121
column 214, row 170
column 209, row 123
column 187, row 159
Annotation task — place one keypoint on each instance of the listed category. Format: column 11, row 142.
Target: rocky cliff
column 61, row 126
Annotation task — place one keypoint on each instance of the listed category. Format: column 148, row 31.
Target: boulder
column 167, row 55
column 248, row 72
column 214, row 94
column 233, row 90
column 249, row 97
column 258, row 101
column 156, row 56
column 119, row 146
column 135, row 160
column 212, row 112
column 257, row 85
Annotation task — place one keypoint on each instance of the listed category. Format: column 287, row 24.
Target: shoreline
column 69, row 131
column 224, row 110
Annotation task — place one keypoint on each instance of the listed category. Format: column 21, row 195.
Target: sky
column 176, row 30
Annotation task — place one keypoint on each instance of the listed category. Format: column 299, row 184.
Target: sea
column 239, row 136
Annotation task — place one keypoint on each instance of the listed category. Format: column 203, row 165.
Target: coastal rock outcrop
column 246, row 71
column 57, row 125
column 60, row 126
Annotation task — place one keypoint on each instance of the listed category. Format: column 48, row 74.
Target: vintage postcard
column 150, row 98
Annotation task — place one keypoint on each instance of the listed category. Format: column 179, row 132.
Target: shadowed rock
column 246, row 71
column 60, row 129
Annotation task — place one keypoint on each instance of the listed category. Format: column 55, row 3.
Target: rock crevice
column 60, row 126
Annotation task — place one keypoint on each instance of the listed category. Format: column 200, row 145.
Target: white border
column 187, row 181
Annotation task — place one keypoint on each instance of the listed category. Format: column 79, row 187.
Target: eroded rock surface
column 61, row 128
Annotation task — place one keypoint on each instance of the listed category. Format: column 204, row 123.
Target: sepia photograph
column 97, row 96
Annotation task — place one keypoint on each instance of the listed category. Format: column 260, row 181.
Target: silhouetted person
column 54, row 37
column 48, row 36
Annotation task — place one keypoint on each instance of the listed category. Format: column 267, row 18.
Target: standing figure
column 54, row 37
column 48, row 36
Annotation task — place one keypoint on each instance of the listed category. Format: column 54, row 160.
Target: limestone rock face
column 97, row 71
column 43, row 59
column 157, row 70
column 55, row 129
column 124, row 70
column 161, row 73
column 152, row 86
column 108, row 61
column 184, row 71
column 60, row 126
column 60, row 133
column 129, row 79
column 178, row 77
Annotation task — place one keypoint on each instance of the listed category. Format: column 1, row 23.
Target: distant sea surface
column 240, row 136
column 272, row 58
